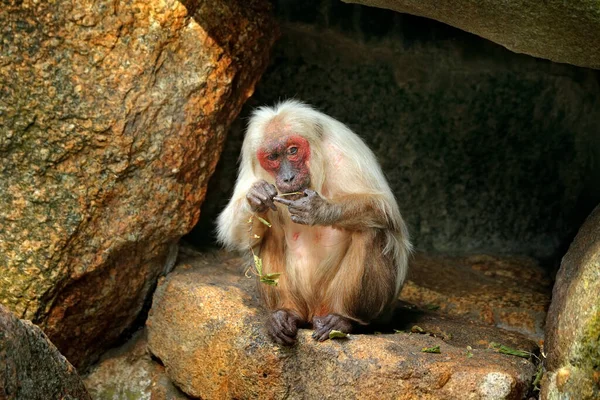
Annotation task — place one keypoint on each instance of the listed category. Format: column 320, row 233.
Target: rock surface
column 128, row 372
column 512, row 293
column 487, row 151
column 573, row 326
column 112, row 118
column 31, row 368
column 561, row 31
column 206, row 326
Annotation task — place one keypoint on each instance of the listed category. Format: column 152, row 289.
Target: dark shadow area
column 487, row 151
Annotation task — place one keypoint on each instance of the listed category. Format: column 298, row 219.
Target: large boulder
column 113, row 116
column 206, row 327
column 128, row 372
column 573, row 322
column 31, row 368
column 561, row 31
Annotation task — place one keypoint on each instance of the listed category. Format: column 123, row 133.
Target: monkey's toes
column 328, row 323
column 282, row 327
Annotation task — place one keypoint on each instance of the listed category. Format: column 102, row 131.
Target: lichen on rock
column 30, row 365
column 573, row 322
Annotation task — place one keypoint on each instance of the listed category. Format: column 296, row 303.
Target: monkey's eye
column 272, row 157
column 292, row 150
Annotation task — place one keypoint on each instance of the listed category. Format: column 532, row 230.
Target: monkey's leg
column 363, row 287
column 288, row 315
column 288, row 310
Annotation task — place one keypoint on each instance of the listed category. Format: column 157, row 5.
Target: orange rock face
column 113, row 117
column 511, row 293
column 206, row 326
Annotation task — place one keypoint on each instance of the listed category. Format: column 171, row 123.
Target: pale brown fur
column 353, row 267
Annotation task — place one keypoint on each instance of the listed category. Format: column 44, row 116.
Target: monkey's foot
column 328, row 323
column 282, row 327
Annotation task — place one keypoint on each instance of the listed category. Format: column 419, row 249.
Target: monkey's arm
column 352, row 211
column 359, row 212
column 236, row 227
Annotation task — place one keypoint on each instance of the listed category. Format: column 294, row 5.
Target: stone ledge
column 206, row 326
column 511, row 293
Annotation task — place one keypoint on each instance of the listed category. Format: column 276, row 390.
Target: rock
column 487, row 151
column 128, row 372
column 566, row 32
column 113, row 116
column 206, row 326
column 31, row 367
column 512, row 293
column 573, row 324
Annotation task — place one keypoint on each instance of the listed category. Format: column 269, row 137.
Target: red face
column 286, row 158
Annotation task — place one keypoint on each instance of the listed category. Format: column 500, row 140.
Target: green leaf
column 432, row 307
column 270, row 279
column 434, row 349
column 538, row 377
column 500, row 348
column 273, row 276
column 272, row 282
column 469, row 352
column 258, row 264
column 264, row 221
column 333, row 334
column 417, row 329
column 399, row 331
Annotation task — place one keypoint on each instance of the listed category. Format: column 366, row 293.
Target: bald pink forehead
column 277, row 127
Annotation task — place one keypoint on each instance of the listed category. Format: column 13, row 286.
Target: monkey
column 338, row 241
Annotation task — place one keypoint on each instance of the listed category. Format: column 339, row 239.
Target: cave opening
column 486, row 150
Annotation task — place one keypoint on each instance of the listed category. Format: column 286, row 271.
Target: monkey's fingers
column 281, row 200
column 290, row 326
column 279, row 336
column 269, row 192
column 329, row 323
column 327, row 319
column 285, row 340
column 270, row 204
column 255, row 202
column 285, row 322
column 300, row 219
column 270, row 189
column 263, row 200
column 322, row 334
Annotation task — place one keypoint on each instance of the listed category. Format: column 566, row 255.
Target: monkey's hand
column 311, row 209
column 324, row 325
column 282, row 327
column 260, row 196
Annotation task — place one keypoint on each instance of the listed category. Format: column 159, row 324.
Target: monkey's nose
column 289, row 178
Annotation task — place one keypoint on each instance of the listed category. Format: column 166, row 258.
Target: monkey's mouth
column 296, row 186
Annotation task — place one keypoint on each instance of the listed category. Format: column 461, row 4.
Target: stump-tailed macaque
column 339, row 241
